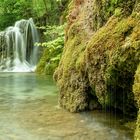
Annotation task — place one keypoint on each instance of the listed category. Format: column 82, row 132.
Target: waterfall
column 18, row 52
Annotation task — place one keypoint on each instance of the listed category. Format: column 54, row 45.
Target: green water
column 29, row 111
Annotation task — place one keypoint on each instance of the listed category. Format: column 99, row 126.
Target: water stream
column 18, row 52
column 29, row 111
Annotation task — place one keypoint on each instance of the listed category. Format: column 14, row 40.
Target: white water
column 18, row 52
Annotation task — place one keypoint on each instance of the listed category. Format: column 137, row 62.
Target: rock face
column 136, row 89
column 101, row 55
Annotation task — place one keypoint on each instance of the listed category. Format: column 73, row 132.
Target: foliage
column 52, row 49
column 49, row 11
column 118, row 7
column 12, row 10
column 54, row 32
column 43, row 11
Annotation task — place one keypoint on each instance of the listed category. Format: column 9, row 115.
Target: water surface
column 29, row 111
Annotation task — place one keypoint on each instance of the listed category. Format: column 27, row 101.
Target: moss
column 118, row 12
column 136, row 86
column 49, row 61
column 131, row 125
column 100, row 57
column 136, row 90
column 137, row 132
column 115, row 59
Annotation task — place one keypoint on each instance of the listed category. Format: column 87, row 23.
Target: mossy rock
column 137, row 132
column 105, row 59
column 136, row 90
column 100, row 57
column 112, row 67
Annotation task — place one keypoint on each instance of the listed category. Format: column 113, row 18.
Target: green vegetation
column 49, row 16
column 101, row 56
column 52, row 49
column 13, row 10
column 50, row 12
column 95, row 63
column 136, row 90
column 44, row 12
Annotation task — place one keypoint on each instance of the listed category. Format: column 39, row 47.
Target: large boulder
column 136, row 89
column 101, row 55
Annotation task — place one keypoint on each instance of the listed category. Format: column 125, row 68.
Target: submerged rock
column 101, row 55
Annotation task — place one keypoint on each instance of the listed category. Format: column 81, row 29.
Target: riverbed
column 29, row 111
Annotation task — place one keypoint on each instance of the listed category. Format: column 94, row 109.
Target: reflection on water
column 29, row 111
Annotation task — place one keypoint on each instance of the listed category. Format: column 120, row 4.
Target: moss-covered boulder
column 101, row 55
column 136, row 89
column 70, row 75
column 112, row 57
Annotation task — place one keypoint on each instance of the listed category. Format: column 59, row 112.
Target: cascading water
column 18, row 52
